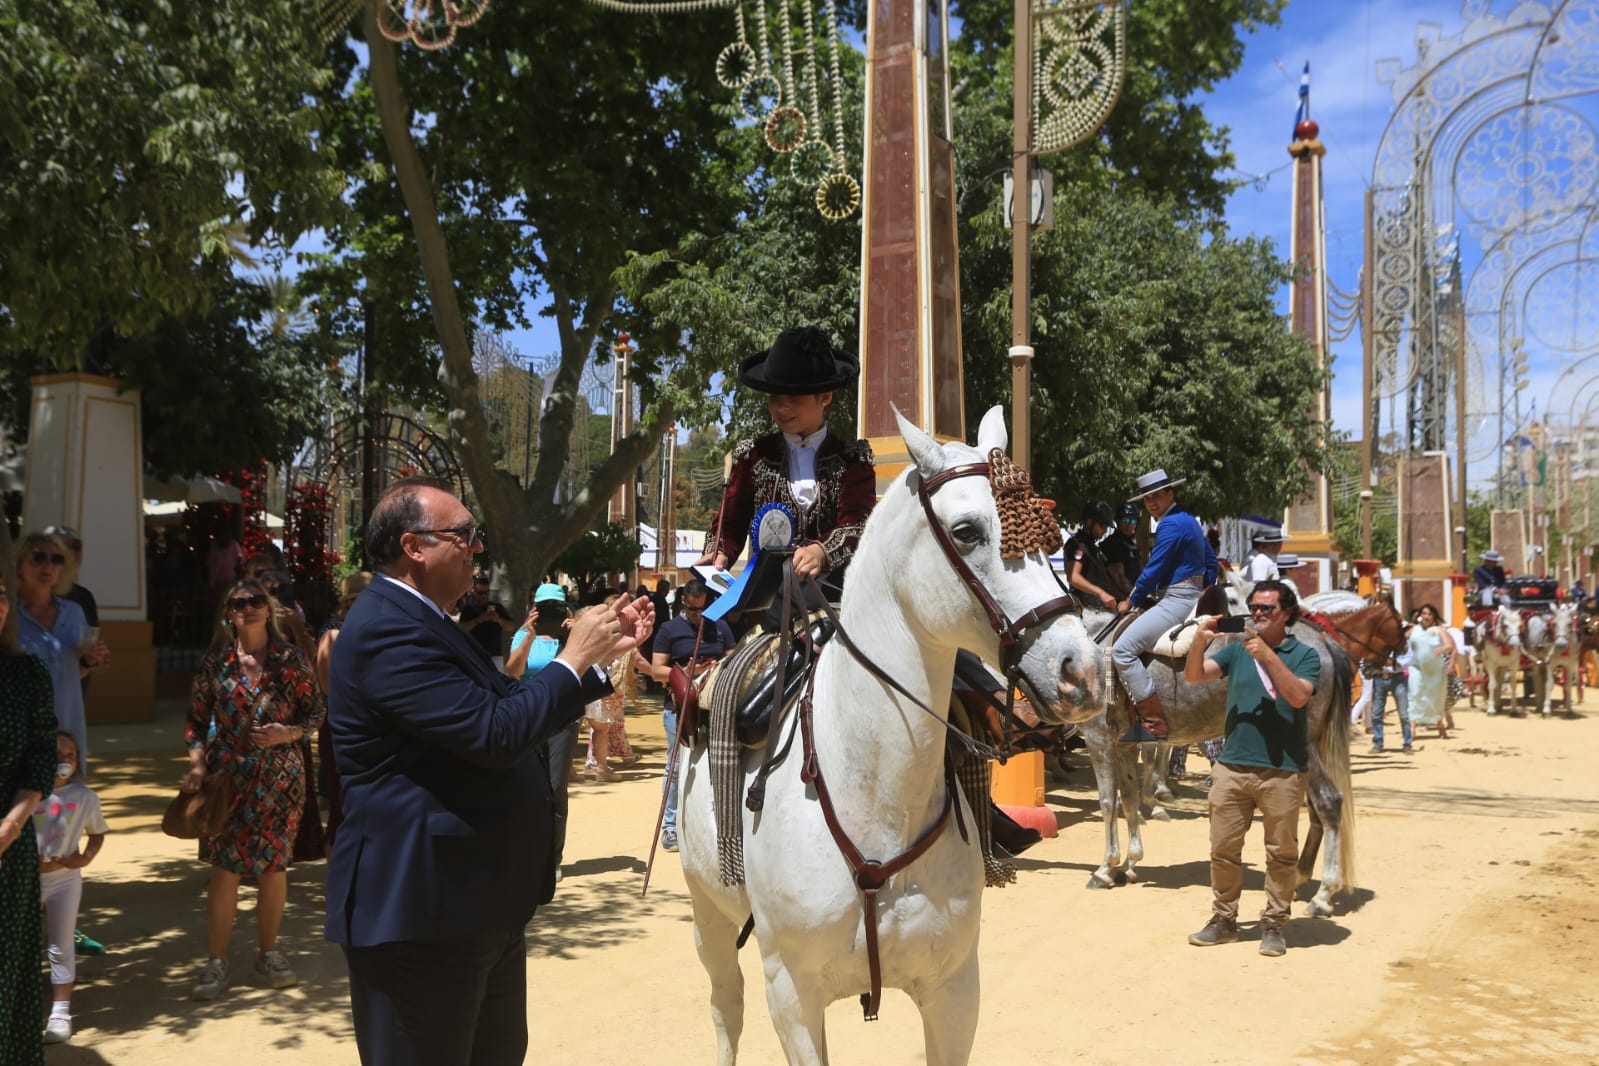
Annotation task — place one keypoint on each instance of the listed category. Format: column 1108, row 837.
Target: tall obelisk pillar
column 1309, row 521
column 910, row 344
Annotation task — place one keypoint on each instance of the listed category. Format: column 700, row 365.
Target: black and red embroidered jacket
column 846, row 491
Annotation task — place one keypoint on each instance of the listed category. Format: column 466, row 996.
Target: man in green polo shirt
column 1264, row 756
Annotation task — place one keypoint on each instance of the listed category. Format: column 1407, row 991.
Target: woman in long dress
column 1431, row 653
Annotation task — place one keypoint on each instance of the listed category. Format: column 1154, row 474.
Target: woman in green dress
column 27, row 770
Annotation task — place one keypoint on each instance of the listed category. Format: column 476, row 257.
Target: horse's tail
column 1334, row 752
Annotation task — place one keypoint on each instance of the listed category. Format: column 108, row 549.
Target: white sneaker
column 213, row 979
column 58, row 1030
column 275, row 968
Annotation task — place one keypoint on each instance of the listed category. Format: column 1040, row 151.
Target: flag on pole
column 1304, row 98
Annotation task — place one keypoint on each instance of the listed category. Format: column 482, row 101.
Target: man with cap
column 1180, row 565
column 829, row 484
column 1262, row 564
column 1121, row 552
column 1087, row 570
column 1490, row 575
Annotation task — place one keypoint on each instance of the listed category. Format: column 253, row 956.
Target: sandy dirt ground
column 1474, row 936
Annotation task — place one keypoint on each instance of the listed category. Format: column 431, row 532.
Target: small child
column 70, row 810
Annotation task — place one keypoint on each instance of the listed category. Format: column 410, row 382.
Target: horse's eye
column 969, row 534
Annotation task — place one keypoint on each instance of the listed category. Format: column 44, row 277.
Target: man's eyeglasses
column 240, row 603
column 693, row 608
column 1263, row 608
column 468, row 534
column 41, row 557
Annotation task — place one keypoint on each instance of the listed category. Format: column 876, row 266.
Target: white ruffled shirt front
column 802, row 466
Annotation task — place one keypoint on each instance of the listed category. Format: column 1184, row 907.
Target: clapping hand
column 637, row 621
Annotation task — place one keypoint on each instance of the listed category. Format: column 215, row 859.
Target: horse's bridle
column 1010, row 631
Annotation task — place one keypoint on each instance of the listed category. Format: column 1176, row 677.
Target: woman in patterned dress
column 27, row 770
column 255, row 698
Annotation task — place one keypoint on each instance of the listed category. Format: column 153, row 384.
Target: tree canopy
column 139, row 144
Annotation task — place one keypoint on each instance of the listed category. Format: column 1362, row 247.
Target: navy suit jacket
column 447, row 806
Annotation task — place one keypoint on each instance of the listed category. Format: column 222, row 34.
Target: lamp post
column 1070, row 61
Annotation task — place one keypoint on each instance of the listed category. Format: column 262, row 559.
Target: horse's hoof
column 1095, row 882
column 1318, row 910
column 1159, row 814
column 1130, row 877
column 1165, row 795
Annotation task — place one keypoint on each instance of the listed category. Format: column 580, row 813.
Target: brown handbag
column 203, row 813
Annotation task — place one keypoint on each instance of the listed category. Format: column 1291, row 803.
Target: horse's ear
column 991, row 432
column 923, row 449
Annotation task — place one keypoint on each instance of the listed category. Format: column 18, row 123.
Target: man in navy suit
column 444, row 853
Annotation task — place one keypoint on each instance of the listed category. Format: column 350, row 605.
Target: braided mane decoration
column 1025, row 523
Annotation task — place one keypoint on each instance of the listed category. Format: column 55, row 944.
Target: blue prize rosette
column 771, row 531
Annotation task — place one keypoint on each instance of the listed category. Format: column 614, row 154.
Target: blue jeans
column 669, row 823
column 1142, row 634
column 1380, row 687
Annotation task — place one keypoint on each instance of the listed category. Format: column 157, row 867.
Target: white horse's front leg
column 716, row 940
column 1102, row 752
column 949, row 1016
column 798, row 1014
column 1128, row 784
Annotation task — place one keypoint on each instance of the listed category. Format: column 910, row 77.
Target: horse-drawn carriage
column 1531, row 633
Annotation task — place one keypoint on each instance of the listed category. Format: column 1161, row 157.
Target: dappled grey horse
column 1196, row 713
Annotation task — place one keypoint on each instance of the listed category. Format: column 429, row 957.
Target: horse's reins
column 1326, row 622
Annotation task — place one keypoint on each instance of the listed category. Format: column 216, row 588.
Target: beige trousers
column 1236, row 793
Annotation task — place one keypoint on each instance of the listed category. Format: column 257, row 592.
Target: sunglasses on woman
column 41, row 557
column 240, row 603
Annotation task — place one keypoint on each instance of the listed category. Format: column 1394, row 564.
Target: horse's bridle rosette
column 1026, row 524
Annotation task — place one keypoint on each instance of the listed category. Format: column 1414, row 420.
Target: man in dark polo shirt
column 1264, row 756
column 486, row 621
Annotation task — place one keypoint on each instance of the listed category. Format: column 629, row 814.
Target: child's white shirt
column 64, row 816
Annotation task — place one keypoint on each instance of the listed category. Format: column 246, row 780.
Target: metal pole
column 369, row 459
column 1460, row 425
column 1021, row 350
column 1368, row 453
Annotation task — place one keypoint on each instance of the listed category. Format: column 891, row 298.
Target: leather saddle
column 1175, row 642
column 745, row 682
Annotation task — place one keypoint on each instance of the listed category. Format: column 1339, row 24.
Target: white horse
column 1196, row 713
column 882, row 761
column 1499, row 648
column 1563, row 653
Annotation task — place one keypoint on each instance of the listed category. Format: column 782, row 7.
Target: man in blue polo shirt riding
column 1180, row 565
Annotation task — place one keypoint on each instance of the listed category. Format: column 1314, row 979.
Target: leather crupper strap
column 870, row 876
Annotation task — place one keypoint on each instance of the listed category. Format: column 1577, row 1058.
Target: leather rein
column 1326, row 623
column 870, row 875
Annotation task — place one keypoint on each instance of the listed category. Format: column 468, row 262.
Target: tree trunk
column 528, row 527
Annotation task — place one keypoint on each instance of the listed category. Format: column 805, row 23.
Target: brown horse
column 1368, row 633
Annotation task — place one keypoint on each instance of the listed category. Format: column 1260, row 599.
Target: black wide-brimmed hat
column 800, row 362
